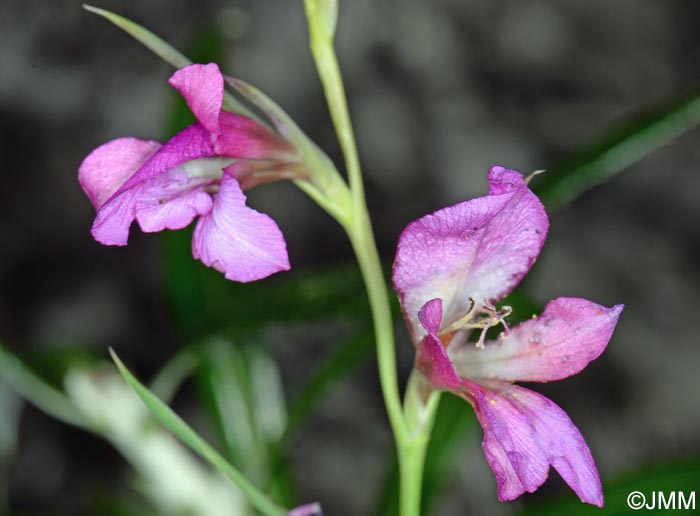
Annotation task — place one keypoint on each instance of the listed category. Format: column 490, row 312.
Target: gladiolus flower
column 451, row 268
column 200, row 172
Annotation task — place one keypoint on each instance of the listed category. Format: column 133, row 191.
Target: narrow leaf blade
column 187, row 435
column 35, row 390
column 594, row 165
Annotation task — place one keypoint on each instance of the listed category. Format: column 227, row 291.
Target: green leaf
column 667, row 478
column 628, row 144
column 187, row 435
column 28, row 385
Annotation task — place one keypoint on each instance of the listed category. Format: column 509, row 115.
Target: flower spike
column 451, row 268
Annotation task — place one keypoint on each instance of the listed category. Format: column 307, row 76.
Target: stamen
column 462, row 321
column 535, row 173
column 482, row 318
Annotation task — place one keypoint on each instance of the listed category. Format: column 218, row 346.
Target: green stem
column 358, row 225
column 329, row 72
column 412, row 425
column 420, row 415
column 362, row 239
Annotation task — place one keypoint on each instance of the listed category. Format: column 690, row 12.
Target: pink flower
column 199, row 172
column 310, row 509
column 451, row 267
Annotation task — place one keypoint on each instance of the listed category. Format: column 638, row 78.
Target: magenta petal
column 111, row 225
column 202, row 86
column 524, row 432
column 170, row 201
column 431, row 359
column 510, row 444
column 570, row 333
column 477, row 249
column 192, row 143
column 240, row 242
column 243, row 137
column 107, row 167
column 309, row 509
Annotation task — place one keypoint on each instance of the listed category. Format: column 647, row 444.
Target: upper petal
column 107, row 167
column 202, row 86
column 477, row 249
column 524, row 433
column 570, row 333
column 240, row 242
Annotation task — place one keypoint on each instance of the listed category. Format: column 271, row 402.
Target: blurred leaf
column 187, row 435
column 453, row 423
column 247, row 404
column 173, row 373
column 633, row 141
column 165, row 51
column 35, row 390
column 204, row 302
column 680, row 476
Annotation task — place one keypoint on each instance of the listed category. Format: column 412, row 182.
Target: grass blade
column 564, row 182
column 187, row 435
column 36, row 391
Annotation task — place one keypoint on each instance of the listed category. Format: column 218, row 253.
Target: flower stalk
column 411, row 441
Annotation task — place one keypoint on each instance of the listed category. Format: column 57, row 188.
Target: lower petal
column 524, row 433
column 171, row 201
column 240, row 242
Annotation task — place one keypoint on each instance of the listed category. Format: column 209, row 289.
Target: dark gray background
column 439, row 91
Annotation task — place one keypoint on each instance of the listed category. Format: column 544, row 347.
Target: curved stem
column 362, row 238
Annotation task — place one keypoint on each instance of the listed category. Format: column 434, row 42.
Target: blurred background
column 439, row 91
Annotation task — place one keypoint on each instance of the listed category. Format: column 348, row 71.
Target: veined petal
column 510, row 443
column 202, row 86
column 478, row 249
column 240, row 242
column 171, row 201
column 431, row 358
column 111, row 225
column 107, row 167
column 524, row 433
column 570, row 333
column 243, row 137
